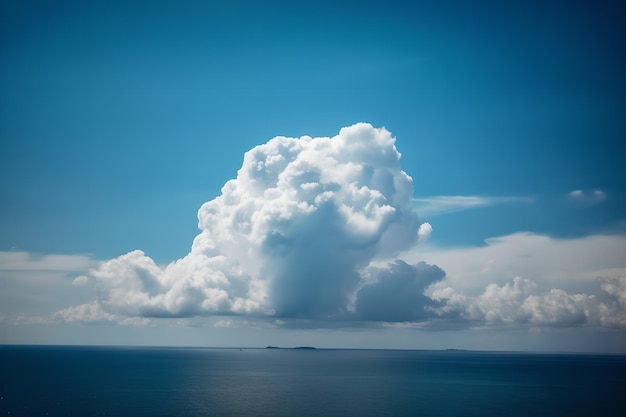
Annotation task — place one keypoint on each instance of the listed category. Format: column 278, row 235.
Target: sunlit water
column 88, row 381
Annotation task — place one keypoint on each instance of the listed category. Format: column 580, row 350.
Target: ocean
column 139, row 381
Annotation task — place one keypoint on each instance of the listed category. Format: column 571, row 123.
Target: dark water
column 88, row 381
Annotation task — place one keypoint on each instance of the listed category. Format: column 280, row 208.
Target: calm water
column 88, row 381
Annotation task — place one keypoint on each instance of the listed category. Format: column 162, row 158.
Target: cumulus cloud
column 288, row 237
column 532, row 280
column 85, row 313
column 519, row 302
column 614, row 308
column 89, row 313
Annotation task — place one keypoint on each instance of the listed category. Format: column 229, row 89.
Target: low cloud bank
column 519, row 302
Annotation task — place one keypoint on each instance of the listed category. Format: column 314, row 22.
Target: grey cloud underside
column 397, row 294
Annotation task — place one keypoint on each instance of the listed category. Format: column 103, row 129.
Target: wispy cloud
column 593, row 197
column 440, row 205
column 24, row 261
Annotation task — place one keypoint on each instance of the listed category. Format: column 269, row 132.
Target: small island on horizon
column 297, row 347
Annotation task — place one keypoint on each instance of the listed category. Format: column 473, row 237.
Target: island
column 297, row 347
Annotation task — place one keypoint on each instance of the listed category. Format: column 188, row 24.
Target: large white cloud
column 288, row 237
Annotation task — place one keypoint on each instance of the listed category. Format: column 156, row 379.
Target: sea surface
column 131, row 381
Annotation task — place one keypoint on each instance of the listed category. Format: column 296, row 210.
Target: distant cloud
column 572, row 264
column 24, row 261
column 534, row 280
column 85, row 313
column 90, row 313
column 519, row 302
column 594, row 197
column 439, row 205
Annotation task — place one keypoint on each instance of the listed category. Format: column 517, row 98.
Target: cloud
column 519, row 302
column 424, row 232
column 288, row 237
column 613, row 313
column 396, row 293
column 24, row 261
column 594, row 197
column 572, row 264
column 85, row 313
column 533, row 280
column 440, row 205
column 91, row 313
column 32, row 284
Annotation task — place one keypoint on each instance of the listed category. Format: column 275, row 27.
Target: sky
column 338, row 174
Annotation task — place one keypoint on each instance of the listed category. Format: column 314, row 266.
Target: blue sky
column 118, row 121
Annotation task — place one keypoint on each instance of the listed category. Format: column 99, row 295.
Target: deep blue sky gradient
column 117, row 121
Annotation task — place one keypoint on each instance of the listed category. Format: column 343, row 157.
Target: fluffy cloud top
column 289, row 237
